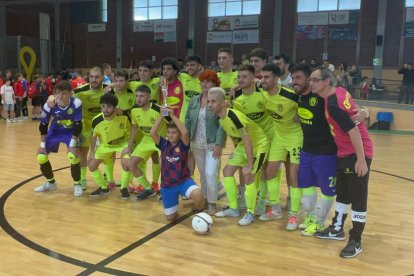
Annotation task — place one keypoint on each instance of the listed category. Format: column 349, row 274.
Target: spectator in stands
column 342, row 76
column 108, row 75
column 355, row 74
column 327, row 64
column 407, row 87
column 313, row 63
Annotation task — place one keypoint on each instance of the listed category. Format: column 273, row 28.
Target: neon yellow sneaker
column 307, row 222
column 312, row 229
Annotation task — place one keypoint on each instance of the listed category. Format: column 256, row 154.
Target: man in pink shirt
column 354, row 156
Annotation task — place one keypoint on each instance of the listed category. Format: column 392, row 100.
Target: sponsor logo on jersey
column 275, row 116
column 177, row 90
column 146, row 129
column 305, row 114
column 173, row 100
column 70, row 111
column 255, row 116
column 313, row 101
column 116, row 141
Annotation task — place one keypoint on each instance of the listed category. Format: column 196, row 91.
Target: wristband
column 73, row 143
column 43, row 145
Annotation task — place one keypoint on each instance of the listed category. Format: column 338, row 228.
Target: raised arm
column 154, row 130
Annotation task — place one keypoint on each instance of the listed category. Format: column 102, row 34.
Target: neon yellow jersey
column 153, row 85
column 90, row 103
column 236, row 125
column 192, row 87
column 283, row 109
column 126, row 99
column 253, row 106
column 228, row 80
column 111, row 133
column 145, row 120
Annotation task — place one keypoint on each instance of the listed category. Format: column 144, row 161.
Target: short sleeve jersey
column 228, row 80
column 111, row 133
column 174, row 163
column 253, row 106
column 236, row 125
column 283, row 108
column 153, row 85
column 62, row 118
column 175, row 97
column 90, row 103
column 145, row 120
column 317, row 138
column 192, row 87
column 338, row 111
column 126, row 99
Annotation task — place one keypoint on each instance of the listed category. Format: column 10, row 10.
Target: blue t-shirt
column 174, row 164
column 62, row 118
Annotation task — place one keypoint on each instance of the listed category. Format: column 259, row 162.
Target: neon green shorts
column 239, row 158
column 105, row 153
column 144, row 150
column 281, row 148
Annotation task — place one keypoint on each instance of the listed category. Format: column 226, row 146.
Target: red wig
column 210, row 75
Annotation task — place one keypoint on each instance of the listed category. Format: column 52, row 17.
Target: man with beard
column 282, row 105
column 283, row 62
column 169, row 81
column 318, row 156
column 89, row 95
column 113, row 134
column 191, row 83
column 143, row 117
column 250, row 100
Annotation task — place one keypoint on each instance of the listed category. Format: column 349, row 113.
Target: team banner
column 143, row 26
column 219, row 37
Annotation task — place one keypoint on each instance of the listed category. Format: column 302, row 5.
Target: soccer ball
column 202, row 223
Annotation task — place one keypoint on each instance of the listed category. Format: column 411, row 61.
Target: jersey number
column 332, row 182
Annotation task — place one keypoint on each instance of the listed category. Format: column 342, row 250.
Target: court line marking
column 101, row 266
column 5, row 225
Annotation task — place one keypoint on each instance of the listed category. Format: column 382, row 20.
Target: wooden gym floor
column 55, row 233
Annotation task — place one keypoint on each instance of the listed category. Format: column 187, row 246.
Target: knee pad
column 42, row 158
column 73, row 159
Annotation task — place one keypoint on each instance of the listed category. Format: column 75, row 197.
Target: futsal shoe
column 311, row 230
column 100, row 192
column 247, row 219
column 131, row 189
column 307, row 222
column 352, row 249
column 77, row 190
column 293, row 223
column 139, row 189
column 331, row 234
column 124, row 193
column 47, row 186
column 228, row 213
column 275, row 212
column 146, row 193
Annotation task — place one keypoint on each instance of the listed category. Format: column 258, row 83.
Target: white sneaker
column 275, row 212
column 9, row 121
column 25, row 117
column 228, row 213
column 47, row 186
column 77, row 190
column 14, row 120
column 247, row 219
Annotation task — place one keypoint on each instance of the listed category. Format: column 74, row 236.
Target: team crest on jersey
column 121, row 126
column 130, row 101
column 260, row 105
column 280, row 107
column 313, row 101
column 152, row 120
column 177, row 90
column 177, row 149
column 347, row 104
column 70, row 111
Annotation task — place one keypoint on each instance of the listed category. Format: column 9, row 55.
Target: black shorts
column 37, row 101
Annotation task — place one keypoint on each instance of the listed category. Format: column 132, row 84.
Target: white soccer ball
column 202, row 223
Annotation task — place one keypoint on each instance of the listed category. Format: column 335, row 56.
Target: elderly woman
column 207, row 138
